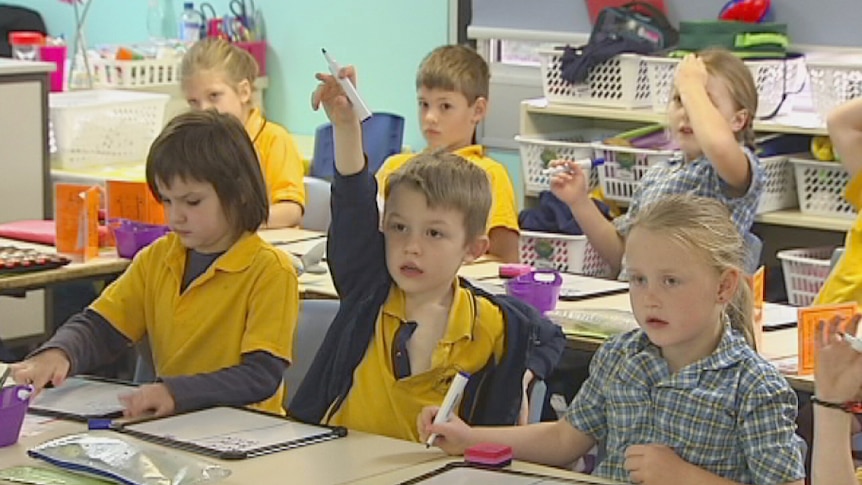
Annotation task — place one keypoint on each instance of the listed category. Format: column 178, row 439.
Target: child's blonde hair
column 447, row 181
column 235, row 64
column 455, row 68
column 704, row 225
column 734, row 72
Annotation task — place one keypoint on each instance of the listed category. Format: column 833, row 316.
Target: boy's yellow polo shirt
column 381, row 404
column 280, row 161
column 845, row 282
column 503, row 209
column 246, row 301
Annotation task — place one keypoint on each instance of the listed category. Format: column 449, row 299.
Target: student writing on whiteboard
column 407, row 324
column 217, row 303
column 710, row 116
column 684, row 398
column 217, row 74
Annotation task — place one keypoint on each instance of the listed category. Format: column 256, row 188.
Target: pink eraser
column 512, row 270
column 489, row 454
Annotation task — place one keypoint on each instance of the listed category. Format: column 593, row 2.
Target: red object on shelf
column 594, row 7
column 26, row 38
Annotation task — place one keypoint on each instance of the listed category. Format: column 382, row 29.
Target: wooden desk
column 359, row 456
column 777, row 344
column 108, row 263
column 407, row 473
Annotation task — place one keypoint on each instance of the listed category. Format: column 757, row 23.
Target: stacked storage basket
column 100, row 127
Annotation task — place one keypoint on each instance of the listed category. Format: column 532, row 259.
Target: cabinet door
column 22, row 172
column 22, row 167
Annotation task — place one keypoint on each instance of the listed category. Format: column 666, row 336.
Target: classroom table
column 107, row 263
column 777, row 344
column 359, row 456
column 408, row 473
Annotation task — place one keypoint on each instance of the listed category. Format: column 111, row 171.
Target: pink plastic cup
column 57, row 55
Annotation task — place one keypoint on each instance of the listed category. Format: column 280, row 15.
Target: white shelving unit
column 538, row 117
column 779, row 230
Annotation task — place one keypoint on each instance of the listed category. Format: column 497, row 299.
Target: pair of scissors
column 208, row 12
column 244, row 11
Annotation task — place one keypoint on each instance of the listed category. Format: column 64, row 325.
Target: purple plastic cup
column 537, row 288
column 133, row 236
column 14, row 401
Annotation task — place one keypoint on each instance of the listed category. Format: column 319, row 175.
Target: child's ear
column 739, row 120
column 480, row 109
column 476, row 248
column 727, row 284
column 243, row 90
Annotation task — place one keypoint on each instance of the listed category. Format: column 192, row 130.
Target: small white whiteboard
column 82, row 398
column 231, row 433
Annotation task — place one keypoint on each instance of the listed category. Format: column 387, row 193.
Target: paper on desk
column 597, row 323
column 302, row 247
column 35, row 425
column 776, row 315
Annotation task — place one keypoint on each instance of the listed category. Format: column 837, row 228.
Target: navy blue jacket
column 357, row 262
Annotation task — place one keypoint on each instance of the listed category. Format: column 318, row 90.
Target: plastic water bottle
column 155, row 20
column 191, row 23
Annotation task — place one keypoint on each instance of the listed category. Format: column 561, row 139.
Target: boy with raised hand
column 452, row 87
column 407, row 324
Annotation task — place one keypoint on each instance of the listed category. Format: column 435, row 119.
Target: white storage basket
column 98, row 127
column 820, row 188
column 110, row 73
column 769, row 78
column 779, row 185
column 805, row 271
column 624, row 167
column 563, row 252
column 575, row 145
column 833, row 81
column 620, row 82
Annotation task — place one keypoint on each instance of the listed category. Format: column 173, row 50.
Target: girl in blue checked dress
column 685, row 398
column 710, row 116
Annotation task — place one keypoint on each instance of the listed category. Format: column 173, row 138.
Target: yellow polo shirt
column 246, row 301
column 845, row 282
column 503, row 213
column 381, row 404
column 280, row 160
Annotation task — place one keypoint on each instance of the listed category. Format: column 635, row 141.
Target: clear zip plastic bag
column 129, row 463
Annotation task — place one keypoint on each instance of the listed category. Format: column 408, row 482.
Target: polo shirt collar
column 237, row 258
column 462, row 315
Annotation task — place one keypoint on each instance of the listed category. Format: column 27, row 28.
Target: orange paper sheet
column 757, row 289
column 808, row 319
column 133, row 201
column 76, row 215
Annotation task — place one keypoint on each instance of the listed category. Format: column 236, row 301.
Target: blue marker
column 94, row 424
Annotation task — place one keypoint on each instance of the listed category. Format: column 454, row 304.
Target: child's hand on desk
column 571, row 185
column 838, row 374
column 330, row 94
column 51, row 366
column 453, row 437
column 655, row 464
column 149, row 398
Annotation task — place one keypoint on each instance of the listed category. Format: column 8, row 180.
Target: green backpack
column 746, row 40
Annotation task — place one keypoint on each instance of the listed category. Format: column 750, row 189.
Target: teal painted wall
column 385, row 39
